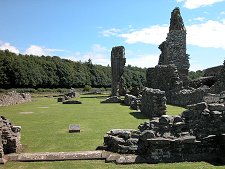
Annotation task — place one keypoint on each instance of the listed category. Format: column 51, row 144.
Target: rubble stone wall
column 173, row 50
column 10, row 137
column 198, row 134
column 185, row 97
column 153, row 102
column 163, row 77
column 13, row 97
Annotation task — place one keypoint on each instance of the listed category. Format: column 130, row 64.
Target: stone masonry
column 173, row 50
column 198, row 134
column 153, row 102
column 10, row 138
column 118, row 61
column 13, row 97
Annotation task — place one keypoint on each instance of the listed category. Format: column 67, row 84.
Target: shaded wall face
column 118, row 61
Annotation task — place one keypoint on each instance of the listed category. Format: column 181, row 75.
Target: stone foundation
column 10, row 138
column 13, row 97
column 198, row 134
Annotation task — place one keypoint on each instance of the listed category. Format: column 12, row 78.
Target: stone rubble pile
column 13, row 97
column 10, row 137
column 198, row 134
column 71, row 94
column 128, row 99
column 112, row 99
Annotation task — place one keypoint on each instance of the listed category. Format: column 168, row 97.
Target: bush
column 87, row 88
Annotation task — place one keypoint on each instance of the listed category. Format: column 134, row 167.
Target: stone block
column 72, row 102
column 74, row 128
column 113, row 99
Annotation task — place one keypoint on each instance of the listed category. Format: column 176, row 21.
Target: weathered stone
column 61, row 99
column 174, row 48
column 74, row 128
column 113, row 99
column 147, row 134
column 216, row 106
column 128, row 99
column 135, row 104
column 9, row 138
column 164, row 120
column 199, row 106
column 13, row 97
column 153, row 102
column 118, row 61
column 72, row 102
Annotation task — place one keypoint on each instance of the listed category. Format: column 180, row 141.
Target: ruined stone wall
column 212, row 71
column 173, row 50
column 198, row 134
column 118, row 61
column 153, row 102
column 163, row 77
column 10, row 137
column 185, row 97
column 13, row 97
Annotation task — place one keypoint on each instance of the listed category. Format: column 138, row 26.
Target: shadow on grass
column 97, row 97
column 138, row 115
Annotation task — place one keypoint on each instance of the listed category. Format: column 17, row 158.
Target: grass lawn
column 45, row 129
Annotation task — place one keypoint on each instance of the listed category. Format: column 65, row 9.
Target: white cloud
column 222, row 13
column 39, row 50
column 192, row 4
column 98, row 54
column 110, row 32
column 199, row 19
column 207, row 34
column 152, row 35
column 4, row 46
column 144, row 60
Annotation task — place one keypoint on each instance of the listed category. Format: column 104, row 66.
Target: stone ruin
column 12, row 98
column 198, row 134
column 118, row 61
column 65, row 99
column 153, row 102
column 173, row 50
column 10, row 138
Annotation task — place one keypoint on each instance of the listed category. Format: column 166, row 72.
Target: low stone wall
column 153, row 102
column 13, row 97
column 10, row 137
column 198, row 134
column 185, row 97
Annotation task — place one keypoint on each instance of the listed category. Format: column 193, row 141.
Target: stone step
column 57, row 156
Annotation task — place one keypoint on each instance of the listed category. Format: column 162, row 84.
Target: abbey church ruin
column 197, row 134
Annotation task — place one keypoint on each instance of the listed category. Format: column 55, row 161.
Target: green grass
column 45, row 129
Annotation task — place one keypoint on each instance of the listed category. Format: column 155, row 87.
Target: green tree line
column 19, row 71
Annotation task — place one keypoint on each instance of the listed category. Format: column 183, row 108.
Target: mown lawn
column 45, row 129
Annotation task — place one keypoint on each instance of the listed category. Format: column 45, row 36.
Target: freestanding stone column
column 118, row 61
column 173, row 50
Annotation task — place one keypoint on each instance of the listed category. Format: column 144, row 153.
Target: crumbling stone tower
column 118, row 61
column 173, row 50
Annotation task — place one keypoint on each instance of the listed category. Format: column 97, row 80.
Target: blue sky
column 83, row 29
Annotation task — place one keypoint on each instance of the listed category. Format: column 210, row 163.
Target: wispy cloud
column 143, row 60
column 151, row 35
column 97, row 53
column 6, row 45
column 206, row 33
column 193, row 4
column 110, row 32
column 39, row 50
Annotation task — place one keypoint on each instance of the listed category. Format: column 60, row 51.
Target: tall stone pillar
column 118, row 61
column 173, row 50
